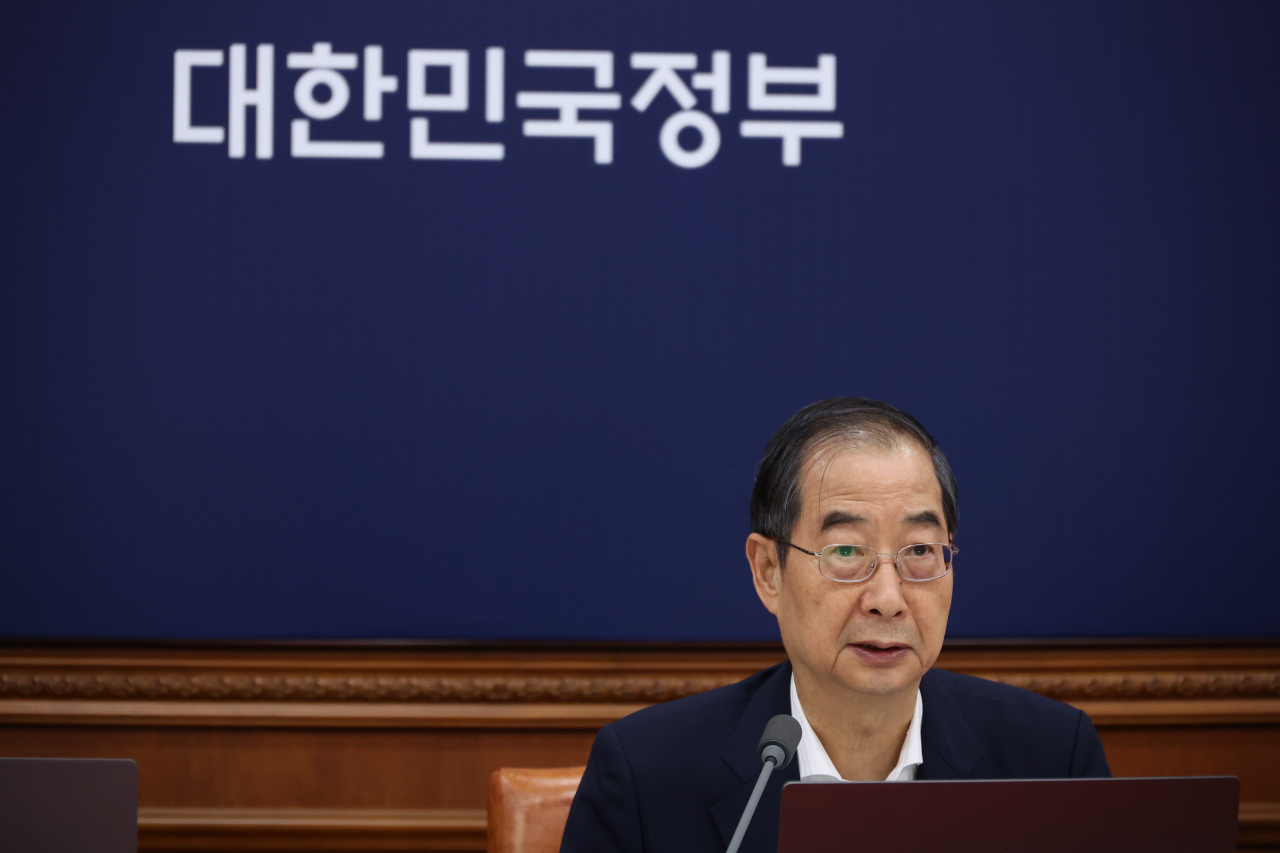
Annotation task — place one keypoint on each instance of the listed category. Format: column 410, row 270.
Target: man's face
column 880, row 635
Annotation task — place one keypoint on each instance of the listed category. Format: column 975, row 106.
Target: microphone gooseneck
column 777, row 748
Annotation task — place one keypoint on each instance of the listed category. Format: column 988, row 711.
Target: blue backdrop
column 523, row 398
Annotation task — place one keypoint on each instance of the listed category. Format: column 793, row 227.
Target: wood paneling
column 353, row 747
column 308, row 768
column 1259, row 827
column 310, row 829
column 1251, row 752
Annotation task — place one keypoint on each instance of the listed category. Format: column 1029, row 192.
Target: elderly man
column 853, row 522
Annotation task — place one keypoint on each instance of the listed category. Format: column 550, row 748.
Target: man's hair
column 837, row 422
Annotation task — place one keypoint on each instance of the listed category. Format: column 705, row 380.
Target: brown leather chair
column 528, row 808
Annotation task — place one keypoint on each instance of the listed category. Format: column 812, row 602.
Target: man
column 853, row 522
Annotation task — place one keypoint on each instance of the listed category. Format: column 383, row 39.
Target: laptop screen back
column 1170, row 815
column 68, row 805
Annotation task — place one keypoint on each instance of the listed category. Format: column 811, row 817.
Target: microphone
column 777, row 748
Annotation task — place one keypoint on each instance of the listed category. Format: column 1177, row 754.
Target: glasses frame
column 896, row 567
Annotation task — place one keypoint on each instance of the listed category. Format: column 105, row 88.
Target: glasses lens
column 847, row 562
column 924, row 562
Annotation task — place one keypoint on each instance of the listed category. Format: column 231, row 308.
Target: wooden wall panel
column 245, row 747
column 1250, row 752
column 308, row 768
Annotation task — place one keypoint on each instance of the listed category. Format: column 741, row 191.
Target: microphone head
column 782, row 733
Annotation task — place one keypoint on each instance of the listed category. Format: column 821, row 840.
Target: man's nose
column 883, row 595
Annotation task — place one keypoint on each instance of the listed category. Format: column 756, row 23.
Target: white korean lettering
column 664, row 76
column 716, row 81
column 261, row 98
column 760, row 75
column 376, row 83
column 322, row 92
column 669, row 139
column 791, row 132
column 823, row 78
column 494, row 93
column 665, row 68
column 457, row 62
column 601, row 61
column 183, row 130
column 422, row 148
column 322, row 66
column 570, row 103
column 457, row 99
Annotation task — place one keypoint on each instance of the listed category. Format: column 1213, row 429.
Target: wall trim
column 1259, row 827
column 495, row 697
column 643, row 688
column 252, row 830
column 449, row 686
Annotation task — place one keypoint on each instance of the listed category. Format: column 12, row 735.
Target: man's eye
column 846, row 550
column 919, row 550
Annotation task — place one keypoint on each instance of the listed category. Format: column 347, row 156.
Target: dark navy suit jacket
column 676, row 777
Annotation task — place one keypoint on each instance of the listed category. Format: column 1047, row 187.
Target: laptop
column 1166, row 815
column 68, row 805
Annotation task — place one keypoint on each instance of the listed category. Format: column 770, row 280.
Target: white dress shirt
column 814, row 761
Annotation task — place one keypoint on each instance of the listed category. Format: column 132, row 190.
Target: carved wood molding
column 630, row 689
column 1113, row 686
column 516, row 675
column 636, row 688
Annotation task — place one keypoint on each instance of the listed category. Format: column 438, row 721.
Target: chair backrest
column 528, row 808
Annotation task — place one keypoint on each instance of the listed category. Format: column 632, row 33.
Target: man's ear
column 766, row 573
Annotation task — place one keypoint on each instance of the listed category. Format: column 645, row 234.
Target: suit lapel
column 950, row 748
column 773, row 697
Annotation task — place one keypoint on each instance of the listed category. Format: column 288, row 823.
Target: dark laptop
column 1173, row 815
column 68, row 805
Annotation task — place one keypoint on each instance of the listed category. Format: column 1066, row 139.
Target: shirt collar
column 814, row 761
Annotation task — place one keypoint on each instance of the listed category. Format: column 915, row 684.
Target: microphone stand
column 777, row 748
column 773, row 754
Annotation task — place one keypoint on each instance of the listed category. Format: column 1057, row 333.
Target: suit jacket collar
column 951, row 749
column 773, row 697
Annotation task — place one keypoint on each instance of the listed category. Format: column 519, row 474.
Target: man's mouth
column 880, row 652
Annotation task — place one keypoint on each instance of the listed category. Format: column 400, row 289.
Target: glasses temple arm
column 798, row 548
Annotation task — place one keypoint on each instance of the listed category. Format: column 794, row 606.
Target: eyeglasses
column 852, row 563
